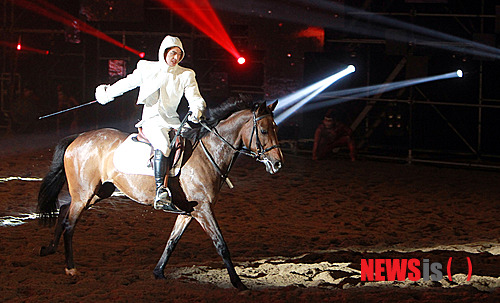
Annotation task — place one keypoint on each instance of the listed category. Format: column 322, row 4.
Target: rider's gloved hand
column 196, row 116
column 101, row 95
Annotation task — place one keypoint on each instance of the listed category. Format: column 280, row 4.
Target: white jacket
column 162, row 84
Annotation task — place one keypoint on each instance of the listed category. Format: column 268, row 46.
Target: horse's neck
column 231, row 130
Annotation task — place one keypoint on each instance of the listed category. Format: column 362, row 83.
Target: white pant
column 157, row 133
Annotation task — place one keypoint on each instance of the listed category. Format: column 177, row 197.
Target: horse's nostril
column 277, row 165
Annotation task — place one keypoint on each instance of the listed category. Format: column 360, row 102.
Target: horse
column 85, row 163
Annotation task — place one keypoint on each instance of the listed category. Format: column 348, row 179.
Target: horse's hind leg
column 210, row 226
column 180, row 226
column 74, row 212
column 48, row 250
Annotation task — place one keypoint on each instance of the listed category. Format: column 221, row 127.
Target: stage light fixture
column 241, row 60
column 460, row 74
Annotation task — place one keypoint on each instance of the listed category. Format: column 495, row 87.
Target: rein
column 258, row 156
column 224, row 176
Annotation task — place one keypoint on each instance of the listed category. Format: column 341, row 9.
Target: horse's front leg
column 207, row 221
column 180, row 226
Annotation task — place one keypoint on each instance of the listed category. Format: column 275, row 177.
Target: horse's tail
column 52, row 184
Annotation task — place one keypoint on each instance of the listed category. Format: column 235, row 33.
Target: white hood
column 169, row 42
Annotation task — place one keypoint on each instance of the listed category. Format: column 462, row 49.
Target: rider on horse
column 162, row 84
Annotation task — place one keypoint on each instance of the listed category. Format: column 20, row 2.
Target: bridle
column 259, row 156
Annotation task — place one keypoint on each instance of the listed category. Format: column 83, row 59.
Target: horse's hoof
column 159, row 276
column 45, row 251
column 240, row 286
column 71, row 272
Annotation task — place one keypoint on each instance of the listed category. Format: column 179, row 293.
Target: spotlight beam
column 324, row 84
column 361, row 92
column 201, row 15
column 320, row 13
column 293, row 98
column 55, row 13
column 484, row 49
column 24, row 48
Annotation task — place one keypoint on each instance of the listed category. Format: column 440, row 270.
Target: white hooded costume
column 161, row 88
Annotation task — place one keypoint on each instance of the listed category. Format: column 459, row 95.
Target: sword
column 67, row 110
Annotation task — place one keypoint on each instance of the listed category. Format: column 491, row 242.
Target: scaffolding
column 474, row 155
column 365, row 123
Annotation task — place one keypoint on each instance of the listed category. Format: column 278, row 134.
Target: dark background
column 279, row 61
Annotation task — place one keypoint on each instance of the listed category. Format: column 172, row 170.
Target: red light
column 25, row 48
column 201, row 14
column 241, row 60
column 142, row 54
column 51, row 11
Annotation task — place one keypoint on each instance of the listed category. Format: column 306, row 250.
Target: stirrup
column 163, row 201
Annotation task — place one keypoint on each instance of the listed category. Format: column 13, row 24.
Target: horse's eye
column 263, row 131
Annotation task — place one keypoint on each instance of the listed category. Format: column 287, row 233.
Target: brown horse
column 85, row 162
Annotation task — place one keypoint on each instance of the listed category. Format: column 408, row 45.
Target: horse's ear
column 273, row 106
column 261, row 108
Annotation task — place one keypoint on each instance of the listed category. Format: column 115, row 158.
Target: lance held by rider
column 161, row 85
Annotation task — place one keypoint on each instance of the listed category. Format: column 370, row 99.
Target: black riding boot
column 163, row 198
column 160, row 166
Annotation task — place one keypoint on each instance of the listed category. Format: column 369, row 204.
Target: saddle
column 135, row 154
column 175, row 154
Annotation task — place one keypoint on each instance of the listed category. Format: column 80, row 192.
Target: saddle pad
column 132, row 157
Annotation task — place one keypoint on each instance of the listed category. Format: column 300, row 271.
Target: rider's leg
column 160, row 166
column 154, row 130
column 163, row 198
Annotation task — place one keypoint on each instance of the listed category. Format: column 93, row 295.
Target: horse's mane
column 219, row 113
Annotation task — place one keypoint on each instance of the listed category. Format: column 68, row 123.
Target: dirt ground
column 297, row 236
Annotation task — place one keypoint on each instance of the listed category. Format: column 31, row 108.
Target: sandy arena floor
column 298, row 236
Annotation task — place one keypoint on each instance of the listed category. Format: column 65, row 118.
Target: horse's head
column 261, row 137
